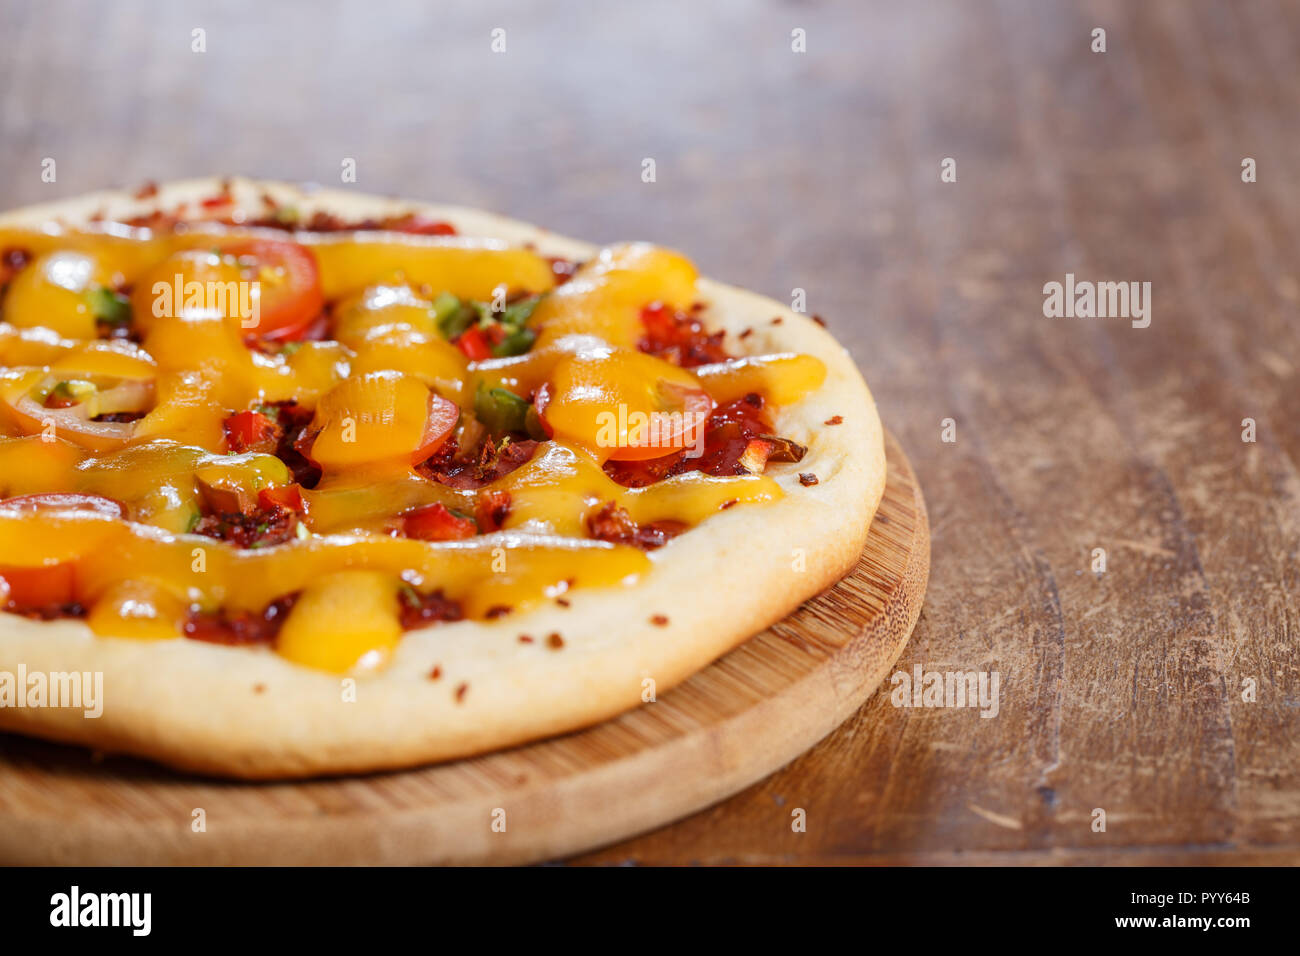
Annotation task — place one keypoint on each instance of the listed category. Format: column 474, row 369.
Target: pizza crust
column 252, row 714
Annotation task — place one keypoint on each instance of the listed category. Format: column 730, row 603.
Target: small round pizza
column 299, row 481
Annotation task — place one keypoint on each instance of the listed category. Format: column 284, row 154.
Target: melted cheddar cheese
column 146, row 453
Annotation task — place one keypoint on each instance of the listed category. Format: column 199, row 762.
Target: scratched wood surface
column 778, row 170
column 749, row 713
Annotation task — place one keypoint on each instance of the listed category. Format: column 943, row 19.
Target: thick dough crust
column 252, row 714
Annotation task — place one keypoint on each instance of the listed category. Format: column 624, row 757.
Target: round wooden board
column 738, row 720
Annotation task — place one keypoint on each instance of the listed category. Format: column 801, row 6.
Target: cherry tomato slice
column 290, row 287
column 443, row 416
column 681, row 429
column 36, row 588
column 43, row 587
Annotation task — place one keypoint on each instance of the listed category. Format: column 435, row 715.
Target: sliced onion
column 75, row 424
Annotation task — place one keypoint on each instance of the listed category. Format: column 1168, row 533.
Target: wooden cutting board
column 738, row 720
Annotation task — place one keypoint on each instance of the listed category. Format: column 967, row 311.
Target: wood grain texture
column 776, row 170
column 736, row 721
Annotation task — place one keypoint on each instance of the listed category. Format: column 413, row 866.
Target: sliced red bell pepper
column 436, row 522
column 474, row 344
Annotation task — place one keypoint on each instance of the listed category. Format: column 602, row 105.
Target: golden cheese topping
column 315, row 441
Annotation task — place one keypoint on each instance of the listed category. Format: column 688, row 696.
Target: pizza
column 318, row 483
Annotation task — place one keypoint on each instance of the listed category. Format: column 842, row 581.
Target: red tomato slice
column 443, row 416
column 695, row 407
column 59, row 501
column 474, row 344
column 291, row 296
column 49, row 586
column 436, row 523
column 35, row 588
column 681, row 431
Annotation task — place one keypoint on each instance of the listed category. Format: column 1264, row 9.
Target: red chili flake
column 729, row 503
column 819, row 320
column 746, row 333
column 525, row 639
column 239, row 627
column 497, row 610
column 295, row 439
column 419, row 609
column 679, row 337
column 436, row 672
column 476, row 467
column 562, row 602
column 807, row 478
column 727, row 434
column 834, row 420
column 613, row 523
column 147, row 191
column 659, row 620
column 777, row 320
column 257, row 528
column 554, row 641
column 460, row 692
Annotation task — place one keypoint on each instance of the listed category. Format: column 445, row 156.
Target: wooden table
column 1121, row 690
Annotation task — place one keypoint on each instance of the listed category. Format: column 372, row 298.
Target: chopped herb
column 452, row 316
column 485, row 317
column 500, row 411
column 193, row 523
column 108, row 307
column 517, row 313
column 517, row 341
